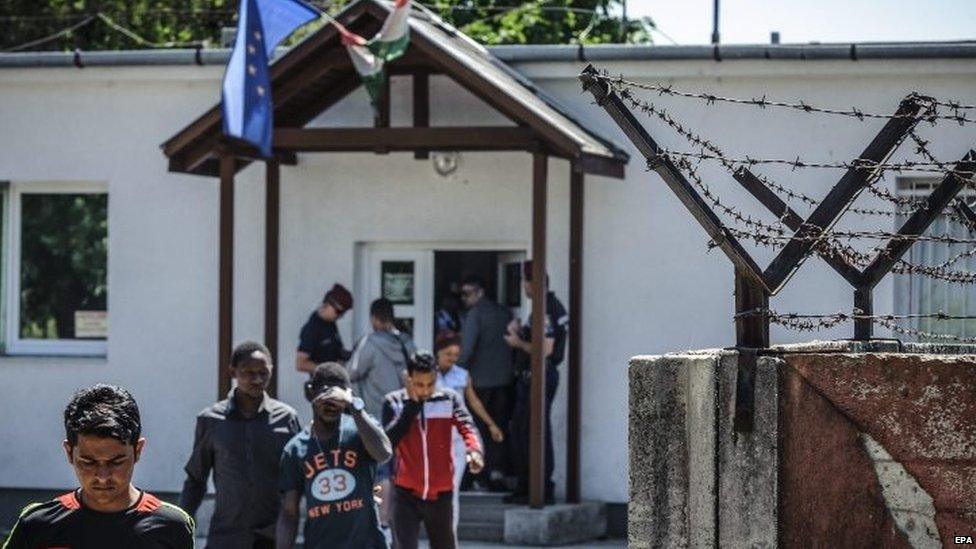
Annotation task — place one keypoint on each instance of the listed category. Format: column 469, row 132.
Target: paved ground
column 485, row 545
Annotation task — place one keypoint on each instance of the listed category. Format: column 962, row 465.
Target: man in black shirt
column 103, row 444
column 320, row 341
column 554, row 349
column 241, row 439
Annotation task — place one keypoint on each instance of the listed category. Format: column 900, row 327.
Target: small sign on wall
column 91, row 324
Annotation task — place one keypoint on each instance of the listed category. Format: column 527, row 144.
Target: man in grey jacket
column 488, row 360
column 379, row 362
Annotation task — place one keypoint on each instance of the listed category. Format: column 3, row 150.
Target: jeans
column 436, row 515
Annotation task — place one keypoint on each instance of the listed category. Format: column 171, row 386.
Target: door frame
column 365, row 252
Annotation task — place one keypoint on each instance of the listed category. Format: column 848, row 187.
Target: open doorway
column 418, row 279
column 501, row 271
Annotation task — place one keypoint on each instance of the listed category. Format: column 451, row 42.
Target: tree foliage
column 135, row 24
column 64, row 252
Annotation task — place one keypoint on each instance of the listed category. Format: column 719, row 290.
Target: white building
column 650, row 284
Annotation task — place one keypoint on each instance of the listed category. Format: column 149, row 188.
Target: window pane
column 398, row 281
column 63, row 268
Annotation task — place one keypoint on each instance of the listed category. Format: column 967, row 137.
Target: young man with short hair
column 380, row 362
column 420, row 421
column 320, row 341
column 240, row 439
column 103, row 444
column 332, row 463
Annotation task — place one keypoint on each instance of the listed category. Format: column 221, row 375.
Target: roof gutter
column 539, row 53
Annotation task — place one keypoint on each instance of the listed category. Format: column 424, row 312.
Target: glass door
column 405, row 277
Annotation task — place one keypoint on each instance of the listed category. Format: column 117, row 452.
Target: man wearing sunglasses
column 332, row 463
column 320, row 341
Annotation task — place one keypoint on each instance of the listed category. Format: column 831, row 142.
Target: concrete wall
column 650, row 285
column 865, row 448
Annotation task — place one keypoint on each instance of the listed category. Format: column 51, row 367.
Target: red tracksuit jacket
column 422, row 437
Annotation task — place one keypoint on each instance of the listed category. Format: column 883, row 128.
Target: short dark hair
column 330, row 374
column 421, row 361
column 244, row 351
column 382, row 310
column 474, row 280
column 104, row 411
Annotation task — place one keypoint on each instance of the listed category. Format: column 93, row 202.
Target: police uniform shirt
column 321, row 341
column 557, row 320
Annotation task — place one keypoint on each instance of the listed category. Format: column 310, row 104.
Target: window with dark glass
column 63, row 266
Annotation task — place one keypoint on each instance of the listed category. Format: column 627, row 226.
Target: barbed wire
column 763, row 102
column 769, row 235
column 817, row 322
column 791, row 195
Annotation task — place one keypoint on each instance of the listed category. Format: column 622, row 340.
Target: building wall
column 650, row 286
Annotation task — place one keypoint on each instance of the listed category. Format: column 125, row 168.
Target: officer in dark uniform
column 320, row 341
column 519, row 338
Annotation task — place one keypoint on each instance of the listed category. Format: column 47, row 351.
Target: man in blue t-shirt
column 332, row 463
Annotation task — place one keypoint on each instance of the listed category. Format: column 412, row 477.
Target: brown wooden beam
column 225, row 307
column 479, row 138
column 421, row 108
column 272, row 213
column 537, row 398
column 574, row 394
column 382, row 118
column 495, row 96
column 599, row 165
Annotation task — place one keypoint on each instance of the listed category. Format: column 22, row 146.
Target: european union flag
column 261, row 26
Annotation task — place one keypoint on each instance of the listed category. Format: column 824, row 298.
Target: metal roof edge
column 539, row 53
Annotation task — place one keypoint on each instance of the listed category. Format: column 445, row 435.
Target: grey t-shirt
column 336, row 477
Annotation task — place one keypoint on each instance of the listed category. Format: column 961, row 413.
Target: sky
column 802, row 21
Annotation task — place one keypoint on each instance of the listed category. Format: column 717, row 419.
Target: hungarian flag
column 370, row 56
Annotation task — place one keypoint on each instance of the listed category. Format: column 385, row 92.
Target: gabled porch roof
column 317, row 73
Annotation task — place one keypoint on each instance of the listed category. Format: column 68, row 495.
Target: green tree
column 64, row 252
column 134, row 24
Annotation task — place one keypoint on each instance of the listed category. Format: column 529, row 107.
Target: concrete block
column 748, row 463
column 672, row 450
column 556, row 524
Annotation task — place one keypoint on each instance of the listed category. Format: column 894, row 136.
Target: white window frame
column 15, row 345
column 914, row 187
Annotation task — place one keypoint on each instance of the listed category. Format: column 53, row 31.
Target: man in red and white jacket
column 420, row 421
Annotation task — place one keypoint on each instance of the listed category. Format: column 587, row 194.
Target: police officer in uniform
column 554, row 348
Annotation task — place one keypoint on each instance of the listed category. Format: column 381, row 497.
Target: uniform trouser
column 410, row 511
column 498, row 404
column 519, row 447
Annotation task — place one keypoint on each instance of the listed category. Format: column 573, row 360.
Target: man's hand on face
column 411, row 394
column 335, row 398
column 476, row 462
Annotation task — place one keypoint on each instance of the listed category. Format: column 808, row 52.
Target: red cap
column 339, row 297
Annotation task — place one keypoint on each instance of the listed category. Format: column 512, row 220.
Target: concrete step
column 481, row 531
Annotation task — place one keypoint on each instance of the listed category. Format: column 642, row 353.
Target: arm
column 197, row 470
column 306, row 343
column 398, row 425
column 469, row 337
column 465, row 425
column 362, row 361
column 514, row 340
column 479, row 409
column 21, row 536
column 287, row 527
column 374, row 439
column 303, row 363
